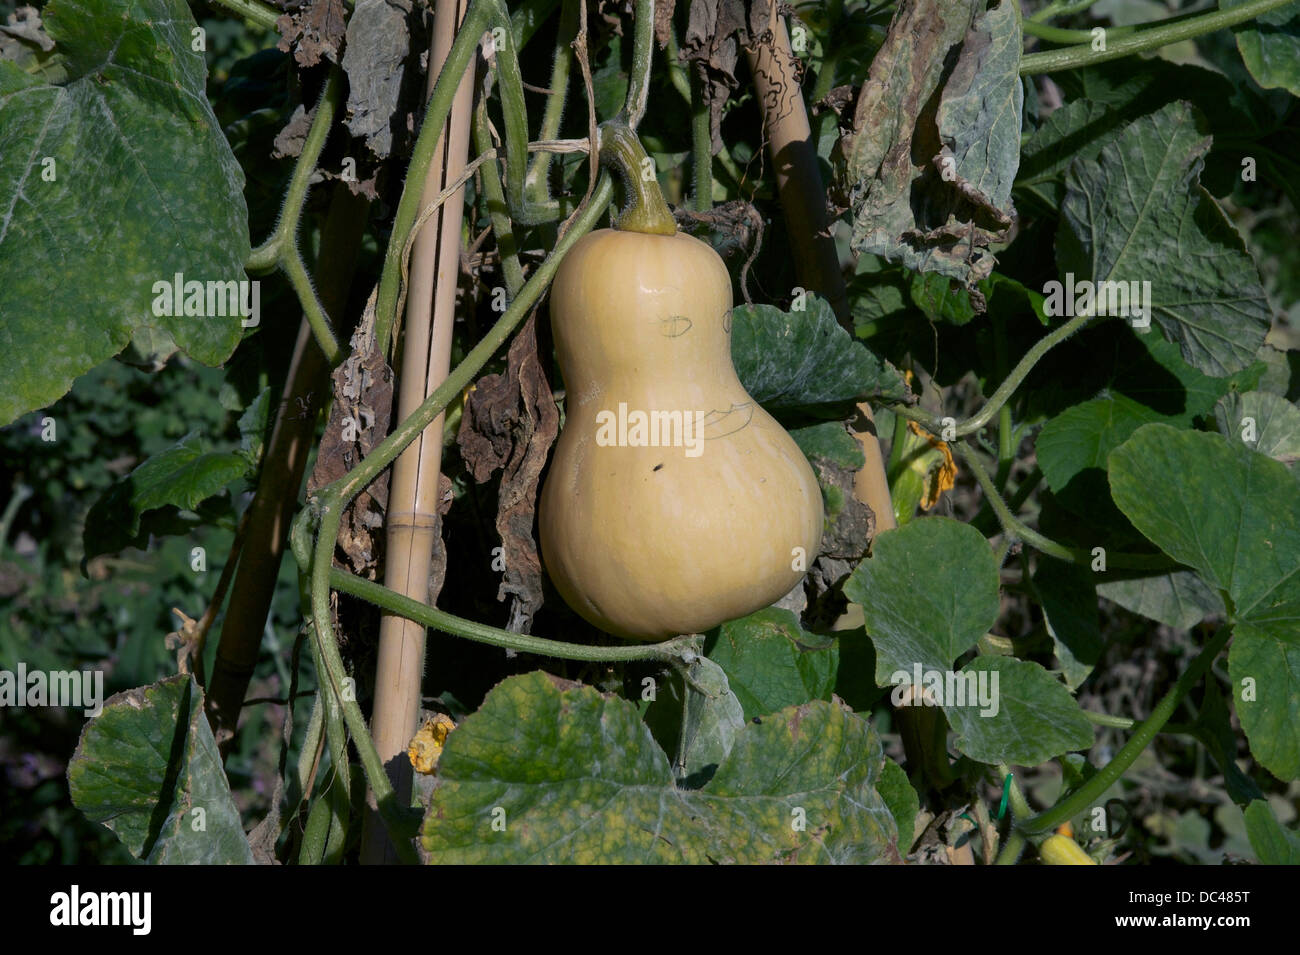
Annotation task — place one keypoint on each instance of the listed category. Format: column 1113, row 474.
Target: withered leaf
column 935, row 143
column 374, row 60
column 289, row 141
column 358, row 420
column 314, row 30
column 711, row 46
column 509, row 424
column 664, row 21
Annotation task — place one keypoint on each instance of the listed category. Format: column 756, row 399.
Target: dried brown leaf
column 510, row 423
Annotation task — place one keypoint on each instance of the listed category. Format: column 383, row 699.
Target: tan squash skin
column 650, row 542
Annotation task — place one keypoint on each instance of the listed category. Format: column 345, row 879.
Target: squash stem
column 644, row 209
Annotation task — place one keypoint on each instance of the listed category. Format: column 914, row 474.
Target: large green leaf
column 1229, row 513
column 1031, row 717
column 1136, row 213
column 929, row 592
column 148, row 768
column 553, row 772
column 804, row 360
column 110, row 182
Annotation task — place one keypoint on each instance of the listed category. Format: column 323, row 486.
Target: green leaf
column 1272, row 844
column 1178, row 599
column 929, row 592
column 941, row 298
column 548, row 773
column 144, row 186
column 712, row 720
column 1031, row 719
column 804, row 360
column 1268, row 423
column 1152, row 384
column 148, row 768
column 831, row 442
column 1229, row 513
column 1270, row 46
column 183, row 476
column 1078, row 130
column 1214, row 730
column 902, row 800
column 1264, row 665
column 771, row 662
column 1138, row 214
column 252, row 427
column 1069, row 598
column 1073, row 447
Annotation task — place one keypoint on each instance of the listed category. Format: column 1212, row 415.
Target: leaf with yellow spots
column 553, row 772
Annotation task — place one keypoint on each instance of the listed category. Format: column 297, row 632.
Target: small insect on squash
column 673, row 502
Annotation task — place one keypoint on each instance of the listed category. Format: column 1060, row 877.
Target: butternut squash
column 674, row 502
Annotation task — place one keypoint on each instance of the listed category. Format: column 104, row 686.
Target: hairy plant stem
column 1004, row 391
column 495, row 200
column 1144, row 40
column 701, row 145
column 1083, row 797
column 258, row 12
column 521, row 642
column 281, row 249
column 1017, row 528
column 536, row 188
column 644, row 209
column 481, row 15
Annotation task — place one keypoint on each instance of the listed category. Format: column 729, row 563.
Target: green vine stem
column 1151, row 38
column 1017, row 528
column 521, row 642
column 1083, row 797
column 1015, row 843
column 495, row 198
column 638, row 90
column 536, row 185
column 481, row 15
column 281, row 250
column 701, row 145
column 256, row 11
column 1004, row 390
column 1060, row 35
column 644, row 209
column 1057, row 9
